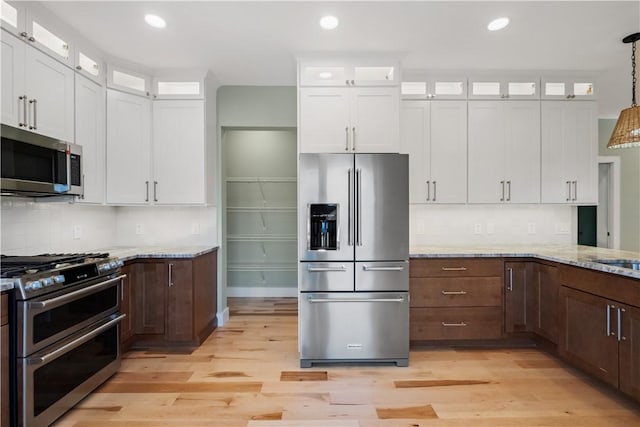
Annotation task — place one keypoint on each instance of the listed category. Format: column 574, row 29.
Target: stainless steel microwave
column 36, row 165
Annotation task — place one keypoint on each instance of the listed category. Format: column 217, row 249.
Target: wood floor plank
column 303, row 376
column 414, row 412
column 152, row 387
column 146, row 377
column 436, row 383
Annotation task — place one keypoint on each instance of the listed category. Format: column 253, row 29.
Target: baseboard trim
column 261, row 292
column 223, row 317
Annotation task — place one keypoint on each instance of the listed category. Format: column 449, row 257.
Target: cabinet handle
column 346, row 138
column 23, row 34
column 434, row 191
column 35, row 114
column 341, row 268
column 346, row 82
column 155, row 191
column 428, row 190
column 353, row 83
column 510, row 286
column 609, row 307
column 353, row 139
column 575, row 190
column 454, row 268
column 170, row 275
column 22, row 98
column 569, row 190
column 146, row 199
column 502, row 198
column 508, row 191
column 454, row 292
column 454, row 324
column 620, row 337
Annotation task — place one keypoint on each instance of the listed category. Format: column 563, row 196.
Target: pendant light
column 627, row 131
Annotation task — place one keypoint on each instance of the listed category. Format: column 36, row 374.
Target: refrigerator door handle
column 323, row 300
column 324, row 269
column 349, row 209
column 358, row 207
column 368, row 268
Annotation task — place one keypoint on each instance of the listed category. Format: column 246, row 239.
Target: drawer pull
column 454, row 324
column 454, row 268
column 454, row 292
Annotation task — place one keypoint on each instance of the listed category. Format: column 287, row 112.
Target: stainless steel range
column 64, row 335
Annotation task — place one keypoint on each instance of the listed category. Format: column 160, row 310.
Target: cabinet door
column 546, row 307
column 178, row 152
column 50, row 88
column 587, row 337
column 14, row 18
column 128, row 148
column 180, row 301
column 13, row 108
column 448, row 151
column 630, row 351
column 375, row 120
column 4, row 374
column 518, row 289
column 585, row 128
column 486, row 152
column 150, row 295
column 324, row 120
column 414, row 140
column 90, row 133
column 128, row 300
column 522, row 151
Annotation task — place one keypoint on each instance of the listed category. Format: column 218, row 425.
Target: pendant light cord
column 633, row 73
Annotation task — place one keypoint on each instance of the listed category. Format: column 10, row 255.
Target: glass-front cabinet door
column 13, row 17
column 89, row 65
column 434, row 88
column 348, row 73
column 563, row 88
column 504, row 88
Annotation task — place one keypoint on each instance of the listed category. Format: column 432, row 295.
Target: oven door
column 53, row 380
column 44, row 320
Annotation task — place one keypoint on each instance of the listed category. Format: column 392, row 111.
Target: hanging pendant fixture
column 627, row 131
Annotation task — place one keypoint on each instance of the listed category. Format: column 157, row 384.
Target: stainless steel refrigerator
column 353, row 247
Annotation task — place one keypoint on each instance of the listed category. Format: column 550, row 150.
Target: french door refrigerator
column 353, row 247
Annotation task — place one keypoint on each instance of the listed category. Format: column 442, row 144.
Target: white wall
column 455, row 225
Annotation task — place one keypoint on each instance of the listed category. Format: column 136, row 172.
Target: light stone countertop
column 128, row 253
column 580, row 256
column 6, row 285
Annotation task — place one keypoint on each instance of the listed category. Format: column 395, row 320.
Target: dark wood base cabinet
column 4, row 362
column 169, row 301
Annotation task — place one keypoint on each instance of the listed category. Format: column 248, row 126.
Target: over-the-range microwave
column 35, row 165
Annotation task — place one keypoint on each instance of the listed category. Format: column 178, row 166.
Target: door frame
column 614, row 208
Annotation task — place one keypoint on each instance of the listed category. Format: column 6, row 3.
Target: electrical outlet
column 531, row 228
column 195, row 228
column 491, row 228
column 477, row 228
column 139, row 229
column 77, row 232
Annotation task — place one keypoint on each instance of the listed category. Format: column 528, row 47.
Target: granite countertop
column 128, row 253
column 580, row 256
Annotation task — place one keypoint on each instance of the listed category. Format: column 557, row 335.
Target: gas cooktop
column 15, row 266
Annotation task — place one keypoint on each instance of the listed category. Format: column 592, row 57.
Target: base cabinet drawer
column 455, row 323
column 456, row 292
column 456, row 267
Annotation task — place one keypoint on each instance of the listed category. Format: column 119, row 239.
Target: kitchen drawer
column 456, row 292
column 456, row 267
column 4, row 317
column 455, row 323
column 326, row 276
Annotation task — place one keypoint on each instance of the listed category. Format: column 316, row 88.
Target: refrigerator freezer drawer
column 382, row 276
column 326, row 276
column 355, row 326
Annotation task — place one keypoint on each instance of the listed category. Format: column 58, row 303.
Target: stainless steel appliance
column 64, row 330
column 353, row 246
column 35, row 165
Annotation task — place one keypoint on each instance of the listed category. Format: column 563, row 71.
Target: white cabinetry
column 568, row 88
column 128, row 148
column 432, row 87
column 179, row 152
column 348, row 73
column 354, row 119
column 90, row 133
column 524, row 87
column 37, row 91
column 434, row 134
column 569, row 152
column 504, row 152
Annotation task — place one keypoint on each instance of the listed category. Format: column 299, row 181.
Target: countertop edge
column 163, row 254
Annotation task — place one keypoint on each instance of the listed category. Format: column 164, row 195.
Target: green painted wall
column 630, row 186
column 257, row 106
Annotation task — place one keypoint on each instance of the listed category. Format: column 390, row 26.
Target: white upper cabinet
column 568, row 88
column 13, row 17
column 172, row 88
column 90, row 65
column 504, row 88
column 569, row 152
column 128, row 80
column 348, row 73
column 179, row 154
column 434, row 134
column 14, row 103
column 504, row 152
column 435, row 88
column 339, row 120
column 90, row 133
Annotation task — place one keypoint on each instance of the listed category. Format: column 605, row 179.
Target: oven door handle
column 75, row 343
column 63, row 299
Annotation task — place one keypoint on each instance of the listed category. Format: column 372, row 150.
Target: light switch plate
column 139, row 229
column 77, row 232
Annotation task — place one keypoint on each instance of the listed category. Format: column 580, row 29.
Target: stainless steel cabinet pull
column 575, row 190
column 359, row 207
column 454, row 292
column 609, row 307
column 63, row 299
column 35, row 114
column 170, row 275
column 454, row 268
column 346, row 137
column 22, row 99
column 569, row 190
column 75, row 343
column 367, row 268
column 155, row 191
column 146, row 199
column 502, row 198
column 454, row 324
column 323, row 300
column 428, row 190
column 346, row 82
column 620, row 337
column 32, row 39
column 508, row 191
column 323, row 269
column 434, row 190
column 510, row 287
column 353, row 83
column 349, row 207
column 23, row 34
column 353, row 139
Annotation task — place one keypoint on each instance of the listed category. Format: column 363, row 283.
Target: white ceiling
column 255, row 43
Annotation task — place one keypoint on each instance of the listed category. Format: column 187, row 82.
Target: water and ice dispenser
column 323, row 226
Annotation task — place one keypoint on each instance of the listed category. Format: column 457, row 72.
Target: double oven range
column 64, row 335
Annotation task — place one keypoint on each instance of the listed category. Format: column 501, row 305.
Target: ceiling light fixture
column 498, row 24
column 155, row 21
column 329, row 22
column 627, row 131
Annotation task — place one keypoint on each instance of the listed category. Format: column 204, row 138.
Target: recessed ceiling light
column 498, row 24
column 329, row 22
column 155, row 21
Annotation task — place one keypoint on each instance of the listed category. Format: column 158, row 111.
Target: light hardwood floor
column 246, row 374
